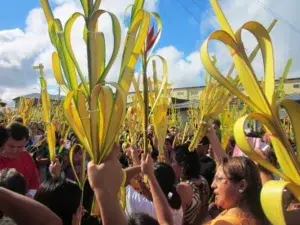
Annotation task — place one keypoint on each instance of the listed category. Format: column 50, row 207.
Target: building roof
column 38, row 95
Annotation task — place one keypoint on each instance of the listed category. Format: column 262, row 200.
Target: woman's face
column 226, row 192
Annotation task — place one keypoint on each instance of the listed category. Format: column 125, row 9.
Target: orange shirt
column 234, row 217
column 233, row 220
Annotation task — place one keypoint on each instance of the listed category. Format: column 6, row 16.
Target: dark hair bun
column 174, row 199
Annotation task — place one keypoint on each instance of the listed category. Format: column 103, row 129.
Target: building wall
column 292, row 86
column 192, row 93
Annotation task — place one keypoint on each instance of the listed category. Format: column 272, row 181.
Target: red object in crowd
column 25, row 165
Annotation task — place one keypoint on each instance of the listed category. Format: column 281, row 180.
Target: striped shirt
column 197, row 211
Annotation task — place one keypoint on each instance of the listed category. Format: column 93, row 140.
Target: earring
column 241, row 191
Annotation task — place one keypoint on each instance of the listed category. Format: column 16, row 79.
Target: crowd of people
column 206, row 186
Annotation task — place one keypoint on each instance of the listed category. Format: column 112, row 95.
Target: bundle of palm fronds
column 159, row 101
column 212, row 100
column 228, row 117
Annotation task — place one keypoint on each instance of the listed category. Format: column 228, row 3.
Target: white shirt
column 137, row 203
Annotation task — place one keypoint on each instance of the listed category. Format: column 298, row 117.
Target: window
column 296, row 86
column 194, row 92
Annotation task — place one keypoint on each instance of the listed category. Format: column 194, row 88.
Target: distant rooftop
column 38, row 96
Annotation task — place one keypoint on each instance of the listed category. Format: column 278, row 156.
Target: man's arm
column 110, row 209
column 24, row 210
column 131, row 172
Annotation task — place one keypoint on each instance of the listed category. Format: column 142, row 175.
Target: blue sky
column 180, row 28
column 11, row 16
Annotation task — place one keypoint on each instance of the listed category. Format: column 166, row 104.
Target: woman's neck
column 239, row 209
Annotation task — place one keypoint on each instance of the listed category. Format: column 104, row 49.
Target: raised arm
column 161, row 205
column 218, row 151
column 24, row 210
column 105, row 180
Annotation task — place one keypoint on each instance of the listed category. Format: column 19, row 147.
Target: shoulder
column 25, row 155
column 183, row 187
column 26, row 158
column 226, row 220
column 185, row 192
column 234, row 220
column 133, row 194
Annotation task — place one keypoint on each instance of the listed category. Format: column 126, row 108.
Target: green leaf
column 67, row 37
column 137, row 5
column 135, row 40
column 116, row 28
column 47, row 10
column 85, row 6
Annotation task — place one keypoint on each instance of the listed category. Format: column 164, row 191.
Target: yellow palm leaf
column 264, row 109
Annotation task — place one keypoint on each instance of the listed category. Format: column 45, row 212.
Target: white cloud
column 285, row 39
column 183, row 71
column 20, row 49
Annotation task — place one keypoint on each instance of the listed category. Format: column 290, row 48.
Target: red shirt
column 25, row 165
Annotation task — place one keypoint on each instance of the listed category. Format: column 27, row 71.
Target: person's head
column 173, row 130
column 34, row 128
column 63, row 198
column 150, row 130
column 187, row 165
column 12, row 180
column 77, row 156
column 169, row 143
column 18, row 135
column 203, row 146
column 18, row 119
column 141, row 219
column 166, row 178
column 216, row 124
column 237, row 182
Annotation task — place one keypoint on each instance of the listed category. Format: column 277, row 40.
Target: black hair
column 170, row 139
column 205, row 141
column 217, row 122
column 12, row 180
column 18, row 131
column 124, row 160
column 189, row 161
column 3, row 135
column 61, row 196
column 18, row 119
column 141, row 219
column 166, row 178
